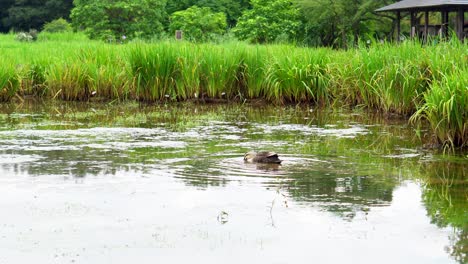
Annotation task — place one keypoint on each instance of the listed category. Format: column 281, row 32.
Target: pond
column 134, row 183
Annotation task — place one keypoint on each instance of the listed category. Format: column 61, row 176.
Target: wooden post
column 460, row 23
column 444, row 24
column 426, row 26
column 178, row 34
column 398, row 29
column 412, row 22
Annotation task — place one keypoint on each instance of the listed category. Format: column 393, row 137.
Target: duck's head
column 249, row 156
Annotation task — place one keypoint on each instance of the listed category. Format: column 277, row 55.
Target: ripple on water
column 403, row 156
column 405, row 153
column 138, row 144
column 349, row 132
column 231, row 167
column 235, row 167
column 82, row 132
column 14, row 159
column 97, row 138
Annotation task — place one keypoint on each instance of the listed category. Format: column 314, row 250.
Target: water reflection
column 445, row 196
column 348, row 164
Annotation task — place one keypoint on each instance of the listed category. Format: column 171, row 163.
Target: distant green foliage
column 58, row 25
column 268, row 20
column 336, row 23
column 232, row 8
column 4, row 7
column 111, row 20
column 340, row 23
column 29, row 14
column 198, row 23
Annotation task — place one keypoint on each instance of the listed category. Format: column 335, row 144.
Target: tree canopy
column 232, row 8
column 268, row 20
column 31, row 14
column 114, row 19
column 198, row 23
column 4, row 6
column 337, row 23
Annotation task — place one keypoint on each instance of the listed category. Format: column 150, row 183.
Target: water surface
column 105, row 183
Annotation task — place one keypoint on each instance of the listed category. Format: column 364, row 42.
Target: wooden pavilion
column 414, row 7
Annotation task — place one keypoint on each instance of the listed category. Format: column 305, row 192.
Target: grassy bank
column 429, row 82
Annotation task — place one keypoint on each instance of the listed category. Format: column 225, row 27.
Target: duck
column 262, row 157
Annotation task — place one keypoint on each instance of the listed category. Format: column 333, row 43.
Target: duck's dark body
column 262, row 157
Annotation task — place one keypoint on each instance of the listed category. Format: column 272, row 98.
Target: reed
column 107, row 73
column 297, row 75
column 219, row 71
column 188, row 83
column 386, row 77
column 252, row 71
column 154, row 69
column 9, row 82
column 404, row 79
column 446, row 109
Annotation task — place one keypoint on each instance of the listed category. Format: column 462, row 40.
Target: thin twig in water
column 271, row 212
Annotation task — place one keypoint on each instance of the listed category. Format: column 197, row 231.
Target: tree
column 340, row 22
column 268, row 20
column 58, row 25
column 113, row 19
column 32, row 14
column 232, row 8
column 4, row 6
column 198, row 23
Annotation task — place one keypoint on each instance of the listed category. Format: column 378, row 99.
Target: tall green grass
column 9, row 83
column 404, row 79
column 446, row 108
column 385, row 77
column 298, row 75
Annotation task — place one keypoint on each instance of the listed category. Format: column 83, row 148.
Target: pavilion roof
column 422, row 4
